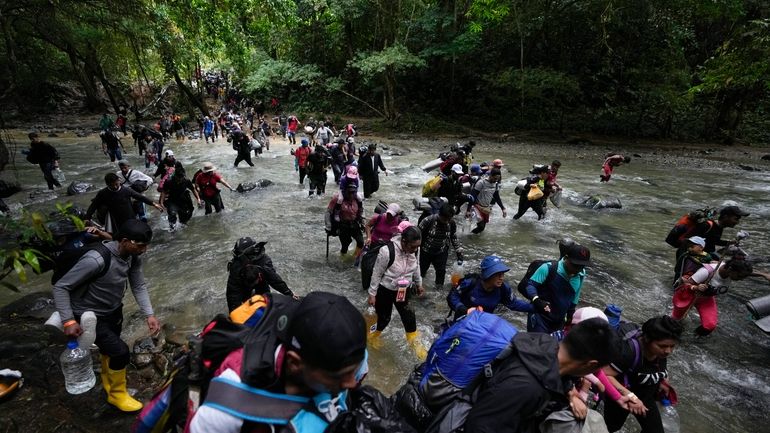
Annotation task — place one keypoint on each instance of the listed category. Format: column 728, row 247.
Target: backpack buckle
column 488, row 370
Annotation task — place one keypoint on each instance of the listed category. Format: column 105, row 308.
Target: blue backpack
column 462, row 354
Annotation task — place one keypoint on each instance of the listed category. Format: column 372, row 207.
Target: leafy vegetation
column 681, row 69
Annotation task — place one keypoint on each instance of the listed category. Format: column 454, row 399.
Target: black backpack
column 66, row 261
column 531, row 269
column 370, row 257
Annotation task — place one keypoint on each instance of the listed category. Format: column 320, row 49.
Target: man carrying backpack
column 297, row 376
column 45, row 156
column 439, row 231
column 555, row 292
column 251, row 272
column 486, row 290
column 369, row 166
column 113, row 204
column 711, row 231
column 538, row 374
column 486, row 192
column 76, row 292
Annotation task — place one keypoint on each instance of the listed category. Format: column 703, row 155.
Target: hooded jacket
column 252, row 275
column 522, row 386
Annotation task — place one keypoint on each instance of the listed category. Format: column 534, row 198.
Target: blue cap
column 304, row 142
column 475, row 169
column 72, row 344
column 492, row 265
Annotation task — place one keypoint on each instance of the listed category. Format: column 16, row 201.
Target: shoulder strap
column 391, row 254
column 126, row 177
column 553, row 270
column 253, row 404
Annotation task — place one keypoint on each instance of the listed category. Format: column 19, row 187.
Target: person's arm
column 454, row 299
column 89, row 265
column 454, row 240
column 380, row 266
column 381, row 165
column 163, row 195
column 500, row 406
column 274, row 280
column 609, row 388
column 509, row 299
column 194, row 190
column 368, row 227
column 764, row 275
column 628, row 400
column 496, row 199
column 224, row 182
column 141, row 294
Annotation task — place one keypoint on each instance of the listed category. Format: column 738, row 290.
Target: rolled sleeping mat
column 466, row 187
column 763, row 324
column 432, row 165
column 381, row 207
column 759, row 307
column 520, row 186
column 427, row 203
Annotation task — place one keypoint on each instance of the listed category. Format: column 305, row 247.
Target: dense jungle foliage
column 679, row 69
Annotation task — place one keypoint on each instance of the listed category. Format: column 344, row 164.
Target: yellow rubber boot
column 103, row 374
column 118, row 395
column 412, row 338
column 373, row 340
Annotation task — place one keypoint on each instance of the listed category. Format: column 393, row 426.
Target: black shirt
column 640, row 372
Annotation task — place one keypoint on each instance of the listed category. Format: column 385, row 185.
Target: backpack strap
column 631, row 337
column 553, row 270
column 391, row 254
column 253, row 404
column 107, row 257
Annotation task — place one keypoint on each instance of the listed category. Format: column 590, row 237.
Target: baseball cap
column 475, row 169
column 697, row 240
column 403, row 225
column 246, row 245
column 579, row 255
column 169, row 153
column 135, row 230
column 497, row 163
column 586, row 313
column 733, row 210
column 123, row 163
column 491, row 265
column 457, row 168
column 328, row 331
column 393, row 209
column 304, row 142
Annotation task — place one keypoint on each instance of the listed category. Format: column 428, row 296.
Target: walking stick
column 327, row 245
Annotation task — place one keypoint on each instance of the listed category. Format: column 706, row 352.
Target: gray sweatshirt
column 104, row 295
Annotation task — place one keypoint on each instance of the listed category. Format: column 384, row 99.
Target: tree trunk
column 93, row 100
column 13, row 67
column 194, row 100
column 390, row 94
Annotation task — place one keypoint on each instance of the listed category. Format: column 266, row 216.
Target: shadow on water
column 722, row 380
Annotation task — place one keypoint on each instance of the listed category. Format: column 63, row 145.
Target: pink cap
column 498, row 163
column 352, row 172
column 403, row 225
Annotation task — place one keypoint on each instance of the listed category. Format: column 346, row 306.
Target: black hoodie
column 252, row 275
column 520, row 389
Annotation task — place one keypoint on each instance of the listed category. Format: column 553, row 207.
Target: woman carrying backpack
column 640, row 363
column 395, row 273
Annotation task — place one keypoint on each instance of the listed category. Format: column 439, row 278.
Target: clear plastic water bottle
column 78, row 368
column 58, row 175
column 669, row 416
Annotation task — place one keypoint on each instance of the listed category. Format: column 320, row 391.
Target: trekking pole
column 327, row 246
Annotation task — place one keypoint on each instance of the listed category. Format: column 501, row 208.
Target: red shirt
column 207, row 182
column 301, row 154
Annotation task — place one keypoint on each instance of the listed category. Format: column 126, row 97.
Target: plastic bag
column 371, row 412
column 535, row 193
column 58, row 175
column 556, row 198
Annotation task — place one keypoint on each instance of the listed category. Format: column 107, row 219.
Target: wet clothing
column 45, row 156
column 485, row 194
column 317, row 162
column 250, row 275
column 369, row 166
column 525, row 204
column 113, row 146
column 209, row 193
column 178, row 201
column 562, row 292
column 470, row 293
column 711, row 231
column 384, row 284
column 521, row 388
column 644, row 381
column 706, row 304
column 165, row 165
column 436, row 239
column 451, row 188
column 300, row 157
column 104, row 297
column 383, row 227
column 242, row 145
column 347, row 215
column 609, row 165
column 117, row 204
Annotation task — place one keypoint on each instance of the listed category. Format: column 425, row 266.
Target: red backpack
column 687, row 223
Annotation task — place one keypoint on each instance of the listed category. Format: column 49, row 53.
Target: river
column 723, row 381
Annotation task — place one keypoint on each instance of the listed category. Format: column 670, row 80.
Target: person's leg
column 108, row 329
column 238, row 159
column 208, row 205
column 523, row 206
column 248, row 159
column 375, row 184
column 614, row 416
column 651, row 421
column 537, row 206
column 345, row 238
column 383, row 306
column 47, row 170
column 408, row 319
column 358, row 236
column 439, row 264
column 707, row 308
column 218, row 203
column 118, row 154
column 172, row 209
column 302, row 174
column 424, row 262
column 367, row 187
column 480, row 226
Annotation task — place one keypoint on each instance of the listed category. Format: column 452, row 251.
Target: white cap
column 169, row 152
column 697, row 240
column 586, row 313
column 393, row 209
column 457, row 168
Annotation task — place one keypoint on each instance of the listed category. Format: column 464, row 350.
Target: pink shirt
column 383, row 227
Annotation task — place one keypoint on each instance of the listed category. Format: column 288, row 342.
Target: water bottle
column 458, row 270
column 58, row 175
column 78, row 368
column 669, row 417
column 88, row 325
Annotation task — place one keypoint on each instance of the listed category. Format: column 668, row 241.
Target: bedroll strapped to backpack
column 370, row 258
column 685, row 225
column 430, row 188
column 553, row 267
column 463, row 355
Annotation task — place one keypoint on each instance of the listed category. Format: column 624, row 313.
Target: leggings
column 707, row 308
column 349, row 232
column 525, row 204
column 383, row 305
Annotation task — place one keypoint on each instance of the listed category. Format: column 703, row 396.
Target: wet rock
column 77, row 187
column 766, row 157
column 597, row 202
column 141, row 360
column 173, row 336
column 248, row 186
column 8, row 189
column 53, row 134
column 636, row 155
column 748, row 167
column 161, row 363
column 42, row 194
column 579, row 141
column 82, row 134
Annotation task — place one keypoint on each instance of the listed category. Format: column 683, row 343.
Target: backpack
column 175, row 403
column 370, row 258
column 553, row 269
column 463, row 355
column 65, row 261
column 687, row 223
column 629, row 332
column 429, row 189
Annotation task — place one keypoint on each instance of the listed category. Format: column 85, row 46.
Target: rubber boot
column 118, row 395
column 412, row 338
column 103, row 374
column 373, row 340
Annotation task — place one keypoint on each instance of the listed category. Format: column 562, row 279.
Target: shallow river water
column 723, row 382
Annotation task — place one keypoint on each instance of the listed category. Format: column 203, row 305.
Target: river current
column 723, row 381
